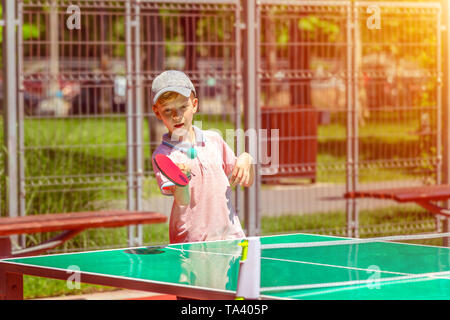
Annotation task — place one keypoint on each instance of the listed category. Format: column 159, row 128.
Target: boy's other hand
column 243, row 172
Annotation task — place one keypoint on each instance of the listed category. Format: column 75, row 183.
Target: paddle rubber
column 170, row 170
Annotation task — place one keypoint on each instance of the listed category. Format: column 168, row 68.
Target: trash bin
column 297, row 127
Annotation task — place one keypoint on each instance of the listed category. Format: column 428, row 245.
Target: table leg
column 11, row 285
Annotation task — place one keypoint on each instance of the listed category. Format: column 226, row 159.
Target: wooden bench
column 427, row 197
column 70, row 224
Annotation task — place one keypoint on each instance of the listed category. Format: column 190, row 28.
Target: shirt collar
column 199, row 140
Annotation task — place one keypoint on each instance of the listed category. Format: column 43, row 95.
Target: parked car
column 79, row 95
column 38, row 101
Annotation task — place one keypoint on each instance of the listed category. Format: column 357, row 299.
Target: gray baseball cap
column 172, row 80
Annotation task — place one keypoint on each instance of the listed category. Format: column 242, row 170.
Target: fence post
column 445, row 103
column 134, row 118
column 21, row 119
column 251, row 112
column 350, row 135
column 238, row 100
column 10, row 108
column 137, row 121
column 130, row 102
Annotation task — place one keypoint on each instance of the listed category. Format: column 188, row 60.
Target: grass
column 387, row 132
column 378, row 142
column 334, row 222
column 326, row 172
column 35, row 288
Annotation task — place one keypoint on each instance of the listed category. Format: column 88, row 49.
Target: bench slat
column 63, row 216
column 77, row 220
column 407, row 194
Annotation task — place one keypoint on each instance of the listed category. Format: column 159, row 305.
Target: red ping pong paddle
column 170, row 170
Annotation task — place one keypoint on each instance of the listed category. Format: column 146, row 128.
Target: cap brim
column 181, row 90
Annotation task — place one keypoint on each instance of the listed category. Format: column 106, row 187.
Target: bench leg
column 5, row 247
column 11, row 285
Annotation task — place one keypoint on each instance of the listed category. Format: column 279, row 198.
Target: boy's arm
column 244, row 171
column 241, row 169
column 181, row 195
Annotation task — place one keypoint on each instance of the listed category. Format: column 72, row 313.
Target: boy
column 202, row 210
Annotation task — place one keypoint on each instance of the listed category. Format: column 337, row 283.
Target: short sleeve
column 229, row 158
column 163, row 183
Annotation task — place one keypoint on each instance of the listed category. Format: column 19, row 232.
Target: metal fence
column 367, row 98
column 357, row 105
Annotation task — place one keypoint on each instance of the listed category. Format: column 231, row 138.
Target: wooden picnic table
column 70, row 224
column 428, row 197
column 424, row 196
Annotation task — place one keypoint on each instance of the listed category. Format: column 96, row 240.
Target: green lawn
column 387, row 132
column 397, row 219
column 378, row 142
column 61, row 147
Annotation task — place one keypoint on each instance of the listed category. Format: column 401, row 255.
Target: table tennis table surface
column 375, row 270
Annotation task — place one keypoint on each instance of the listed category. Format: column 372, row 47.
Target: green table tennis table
column 209, row 270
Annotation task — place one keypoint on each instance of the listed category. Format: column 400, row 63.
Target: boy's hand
column 184, row 168
column 243, row 171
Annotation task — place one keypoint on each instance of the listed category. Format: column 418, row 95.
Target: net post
column 249, row 278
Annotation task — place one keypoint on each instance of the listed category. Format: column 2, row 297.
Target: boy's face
column 178, row 113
